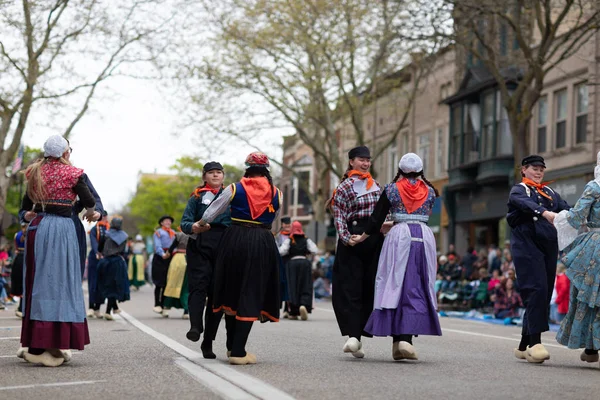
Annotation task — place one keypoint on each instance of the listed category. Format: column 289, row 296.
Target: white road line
column 234, row 381
column 10, row 338
column 74, row 353
column 213, row 382
column 496, row 337
column 10, row 327
column 57, row 384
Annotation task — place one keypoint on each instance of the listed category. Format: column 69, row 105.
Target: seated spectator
column 442, row 265
column 481, row 296
column 468, row 262
column 321, row 286
column 451, row 274
column 507, row 301
column 494, row 281
column 496, row 263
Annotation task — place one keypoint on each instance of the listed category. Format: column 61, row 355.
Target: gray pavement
column 147, row 356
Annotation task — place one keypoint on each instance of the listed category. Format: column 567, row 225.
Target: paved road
column 145, row 356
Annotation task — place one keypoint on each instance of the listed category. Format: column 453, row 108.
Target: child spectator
column 495, row 281
column 563, row 286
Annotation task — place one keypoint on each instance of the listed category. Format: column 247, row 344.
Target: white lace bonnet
column 410, row 162
column 55, row 146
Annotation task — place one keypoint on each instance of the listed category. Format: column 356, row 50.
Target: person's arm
column 519, row 199
column 577, row 216
column 284, row 249
column 312, row 247
column 174, row 245
column 377, row 218
column 85, row 196
column 158, row 250
column 218, row 206
column 340, row 214
column 26, row 214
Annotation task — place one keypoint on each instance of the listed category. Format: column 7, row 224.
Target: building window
column 455, row 150
column 582, row 110
column 561, row 118
column 439, row 152
column 541, row 123
column 423, row 149
column 471, row 127
column 445, row 90
column 393, row 161
column 488, row 125
column 503, row 39
column 504, row 138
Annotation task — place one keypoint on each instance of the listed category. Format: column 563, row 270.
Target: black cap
column 209, row 166
column 116, row 223
column 360, row 151
column 533, row 160
column 286, row 220
column 165, row 217
column 104, row 213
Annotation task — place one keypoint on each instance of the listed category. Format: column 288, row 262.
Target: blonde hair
column 36, row 190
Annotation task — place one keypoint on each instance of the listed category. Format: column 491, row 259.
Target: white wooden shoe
column 66, row 354
column 21, row 352
column 90, row 313
column 404, row 351
column 352, row 345
column 303, row 313
column 157, row 309
column 45, row 359
column 537, row 354
column 521, row 355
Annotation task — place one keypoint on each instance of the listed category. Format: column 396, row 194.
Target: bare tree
column 304, row 66
column 541, row 34
column 54, row 55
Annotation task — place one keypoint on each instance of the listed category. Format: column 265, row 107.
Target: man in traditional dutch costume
column 532, row 207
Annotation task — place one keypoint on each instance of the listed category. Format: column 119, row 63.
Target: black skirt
column 299, row 280
column 160, row 269
column 247, row 274
column 113, row 282
column 16, row 276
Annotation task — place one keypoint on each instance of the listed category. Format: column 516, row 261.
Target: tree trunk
column 4, row 184
column 521, row 146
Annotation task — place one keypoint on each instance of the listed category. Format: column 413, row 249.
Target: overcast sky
column 133, row 131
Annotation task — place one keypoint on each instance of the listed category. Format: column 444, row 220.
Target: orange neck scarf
column 199, row 190
column 413, row 195
column 170, row 231
column 363, row 175
column 538, row 186
column 258, row 193
column 100, row 224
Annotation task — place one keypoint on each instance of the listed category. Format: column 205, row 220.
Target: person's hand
column 197, row 228
column 166, row 255
column 549, row 215
column 385, row 228
column 98, row 256
column 30, row 215
column 95, row 216
column 353, row 240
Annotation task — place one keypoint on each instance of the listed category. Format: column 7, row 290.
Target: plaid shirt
column 506, row 302
column 348, row 207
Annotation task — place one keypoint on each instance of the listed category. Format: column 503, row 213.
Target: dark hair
column 330, row 200
column 415, row 175
column 261, row 171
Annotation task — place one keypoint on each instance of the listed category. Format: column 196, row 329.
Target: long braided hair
column 415, row 175
column 261, row 171
column 329, row 202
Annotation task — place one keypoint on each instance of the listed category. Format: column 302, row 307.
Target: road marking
column 213, row 382
column 10, row 327
column 57, row 384
column 10, row 338
column 496, row 337
column 74, row 353
column 233, row 380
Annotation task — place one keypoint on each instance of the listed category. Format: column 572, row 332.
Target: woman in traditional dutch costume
column 202, row 256
column 405, row 300
column 176, row 291
column 113, row 282
column 163, row 239
column 16, row 272
column 355, row 267
column 298, row 270
column 54, row 317
column 532, row 206
column 97, row 234
column 247, row 267
column 137, row 264
column 580, row 329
